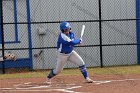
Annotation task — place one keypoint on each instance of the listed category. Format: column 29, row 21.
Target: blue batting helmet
column 64, row 25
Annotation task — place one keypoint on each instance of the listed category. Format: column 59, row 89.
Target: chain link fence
column 31, row 27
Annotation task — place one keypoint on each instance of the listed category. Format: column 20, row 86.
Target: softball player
column 65, row 44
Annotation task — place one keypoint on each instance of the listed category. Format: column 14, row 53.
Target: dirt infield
column 73, row 84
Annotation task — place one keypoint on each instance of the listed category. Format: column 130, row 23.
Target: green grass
column 98, row 71
column 117, row 70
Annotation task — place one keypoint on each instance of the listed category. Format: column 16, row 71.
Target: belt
column 65, row 52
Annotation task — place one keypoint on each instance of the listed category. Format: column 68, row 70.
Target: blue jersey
column 66, row 43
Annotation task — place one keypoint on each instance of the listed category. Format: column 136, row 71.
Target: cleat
column 48, row 81
column 88, row 80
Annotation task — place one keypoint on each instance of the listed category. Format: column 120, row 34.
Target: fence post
column 100, row 32
column 2, row 33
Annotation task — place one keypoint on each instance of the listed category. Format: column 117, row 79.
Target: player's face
column 66, row 31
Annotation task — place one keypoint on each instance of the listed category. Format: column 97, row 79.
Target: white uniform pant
column 63, row 58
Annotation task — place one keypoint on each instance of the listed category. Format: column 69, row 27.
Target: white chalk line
column 67, row 90
column 109, row 81
column 64, row 90
column 37, row 88
column 28, row 83
column 6, row 88
column 59, row 90
column 74, row 87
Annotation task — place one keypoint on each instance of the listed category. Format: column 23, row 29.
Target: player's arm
column 68, row 41
column 72, row 42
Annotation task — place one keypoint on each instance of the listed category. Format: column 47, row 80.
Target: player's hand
column 80, row 42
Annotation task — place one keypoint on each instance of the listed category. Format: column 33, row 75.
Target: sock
column 51, row 74
column 83, row 71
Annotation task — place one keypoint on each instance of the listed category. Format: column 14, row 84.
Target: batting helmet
column 64, row 25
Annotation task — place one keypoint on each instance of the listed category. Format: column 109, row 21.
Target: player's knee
column 81, row 63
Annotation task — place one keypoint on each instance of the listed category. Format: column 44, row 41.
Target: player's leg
column 61, row 60
column 75, row 58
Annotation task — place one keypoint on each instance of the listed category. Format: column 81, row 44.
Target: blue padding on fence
column 18, row 63
column 138, row 29
column 0, row 28
column 29, row 29
column 15, row 20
